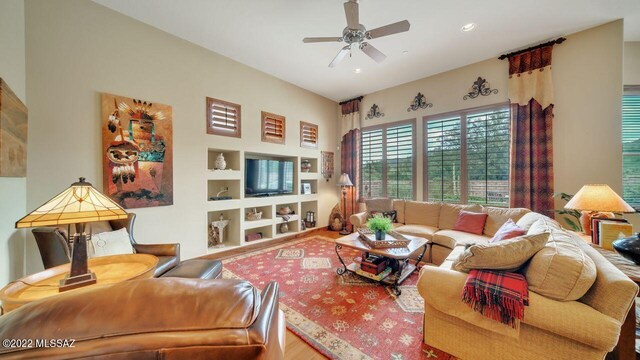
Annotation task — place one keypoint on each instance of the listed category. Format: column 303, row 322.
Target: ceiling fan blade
column 343, row 52
column 352, row 12
column 390, row 29
column 321, row 39
column 373, row 53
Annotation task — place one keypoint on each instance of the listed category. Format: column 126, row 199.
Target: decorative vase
column 284, row 228
column 629, row 248
column 380, row 234
column 221, row 164
column 305, row 165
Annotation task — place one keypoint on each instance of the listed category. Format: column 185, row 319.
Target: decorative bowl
column 284, row 210
column 629, row 248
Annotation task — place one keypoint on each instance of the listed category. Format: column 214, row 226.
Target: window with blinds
column 223, row 118
column 467, row 157
column 631, row 146
column 388, row 161
column 443, row 160
column 308, row 135
column 273, row 128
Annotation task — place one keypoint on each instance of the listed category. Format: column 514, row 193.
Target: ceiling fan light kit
column 357, row 35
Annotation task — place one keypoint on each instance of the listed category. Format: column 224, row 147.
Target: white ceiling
column 267, row 34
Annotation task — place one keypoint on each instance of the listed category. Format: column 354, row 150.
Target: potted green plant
column 380, row 225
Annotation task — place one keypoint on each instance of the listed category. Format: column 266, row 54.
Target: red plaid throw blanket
column 501, row 296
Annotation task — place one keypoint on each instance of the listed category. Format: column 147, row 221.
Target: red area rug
column 343, row 317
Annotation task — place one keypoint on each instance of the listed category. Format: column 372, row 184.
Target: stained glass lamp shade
column 79, row 204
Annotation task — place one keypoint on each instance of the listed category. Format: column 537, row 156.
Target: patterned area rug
column 343, row 317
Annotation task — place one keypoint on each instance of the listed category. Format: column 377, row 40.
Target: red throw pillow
column 471, row 222
column 508, row 230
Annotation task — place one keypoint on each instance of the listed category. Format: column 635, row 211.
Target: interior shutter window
column 399, row 162
column 223, row 118
column 487, row 155
column 308, row 135
column 443, row 163
column 273, row 128
column 371, row 167
column 631, row 148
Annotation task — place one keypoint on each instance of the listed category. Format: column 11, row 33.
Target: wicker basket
column 254, row 215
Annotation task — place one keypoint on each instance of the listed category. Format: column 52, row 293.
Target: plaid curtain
column 531, row 98
column 350, row 154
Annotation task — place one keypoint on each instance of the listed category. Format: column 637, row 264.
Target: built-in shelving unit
column 231, row 181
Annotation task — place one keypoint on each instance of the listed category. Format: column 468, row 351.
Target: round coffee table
column 108, row 270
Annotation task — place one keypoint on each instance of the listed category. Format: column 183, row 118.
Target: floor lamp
column 344, row 182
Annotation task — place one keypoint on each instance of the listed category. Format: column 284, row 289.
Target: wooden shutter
column 631, row 147
column 371, row 164
column 487, row 155
column 308, row 135
column 273, row 128
column 443, row 160
column 223, row 118
column 400, row 162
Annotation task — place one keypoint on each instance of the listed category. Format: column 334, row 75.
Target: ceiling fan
column 355, row 34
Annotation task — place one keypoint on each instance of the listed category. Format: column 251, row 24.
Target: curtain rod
column 552, row 42
column 359, row 98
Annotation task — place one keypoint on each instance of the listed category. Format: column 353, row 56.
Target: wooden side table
column 108, row 269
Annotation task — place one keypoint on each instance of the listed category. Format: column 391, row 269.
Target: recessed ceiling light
column 405, row 52
column 468, row 27
column 357, row 71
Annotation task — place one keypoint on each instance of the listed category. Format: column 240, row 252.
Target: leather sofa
column 54, row 249
column 166, row 318
column 586, row 328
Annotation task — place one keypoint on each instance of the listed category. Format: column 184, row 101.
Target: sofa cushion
column 110, row 243
column 398, row 206
column 391, row 214
column 470, row 222
column 498, row 216
column 561, row 270
column 422, row 231
column 544, row 224
column 421, row 213
column 449, row 214
column 453, row 238
column 379, row 204
column 530, row 218
column 507, row 255
column 508, row 230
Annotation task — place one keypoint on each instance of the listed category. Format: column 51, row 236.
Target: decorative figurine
column 221, row 164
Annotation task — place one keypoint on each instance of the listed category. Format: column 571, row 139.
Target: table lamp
column 344, row 182
column 596, row 198
column 79, row 204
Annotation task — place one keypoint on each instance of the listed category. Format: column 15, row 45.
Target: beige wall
column 77, row 49
column 13, row 191
column 631, row 70
column 587, row 74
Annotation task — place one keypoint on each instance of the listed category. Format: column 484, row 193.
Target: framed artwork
column 327, row 164
column 137, row 138
column 306, row 188
column 13, row 133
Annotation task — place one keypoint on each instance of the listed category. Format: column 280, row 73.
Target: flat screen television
column 268, row 177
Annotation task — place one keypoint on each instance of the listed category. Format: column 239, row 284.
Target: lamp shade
column 344, row 180
column 598, row 197
column 80, row 203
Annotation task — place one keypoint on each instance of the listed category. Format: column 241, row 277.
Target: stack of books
column 606, row 230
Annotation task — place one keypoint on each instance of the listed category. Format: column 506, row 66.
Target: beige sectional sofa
column 555, row 326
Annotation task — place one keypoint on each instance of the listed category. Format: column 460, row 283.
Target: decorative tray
column 393, row 239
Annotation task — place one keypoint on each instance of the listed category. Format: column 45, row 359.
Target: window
column 273, row 128
column 388, row 161
column 223, row 118
column 467, row 157
column 631, row 145
column 308, row 135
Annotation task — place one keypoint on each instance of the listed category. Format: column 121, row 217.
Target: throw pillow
column 393, row 214
column 561, row 270
column 470, row 222
column 111, row 243
column 507, row 255
column 507, row 231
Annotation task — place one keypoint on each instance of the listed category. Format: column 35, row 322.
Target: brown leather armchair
column 54, row 248
column 166, row 318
